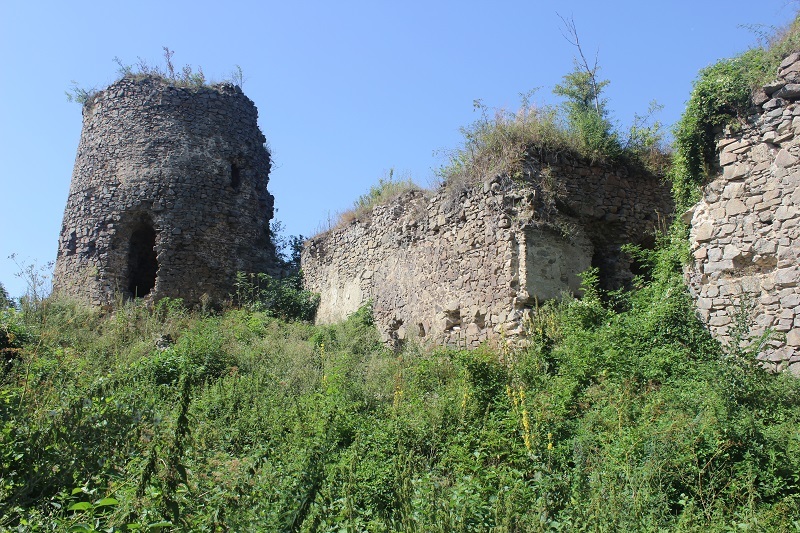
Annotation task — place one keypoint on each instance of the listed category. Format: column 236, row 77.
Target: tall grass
column 608, row 419
column 386, row 190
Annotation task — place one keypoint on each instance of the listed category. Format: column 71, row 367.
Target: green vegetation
column 587, row 114
column 282, row 297
column 721, row 98
column 617, row 415
column 183, row 77
column 5, row 299
column 386, row 190
column 620, row 414
column 503, row 142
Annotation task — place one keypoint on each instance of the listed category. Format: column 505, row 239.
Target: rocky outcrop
column 745, row 232
column 460, row 267
column 168, row 195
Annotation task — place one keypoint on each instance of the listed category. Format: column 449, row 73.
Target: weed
column 186, row 76
column 383, row 192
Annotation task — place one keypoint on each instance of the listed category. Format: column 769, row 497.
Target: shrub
column 499, row 143
column 13, row 336
column 5, row 299
column 587, row 114
column 287, row 249
column 721, row 97
column 282, row 297
column 511, row 143
column 386, row 190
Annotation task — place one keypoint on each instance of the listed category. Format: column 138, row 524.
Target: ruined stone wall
column 745, row 232
column 460, row 268
column 168, row 194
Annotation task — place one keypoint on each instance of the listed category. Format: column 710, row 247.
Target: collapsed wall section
column 168, row 195
column 462, row 267
column 745, row 232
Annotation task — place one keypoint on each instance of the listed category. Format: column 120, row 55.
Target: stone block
column 774, row 86
column 786, row 212
column 791, row 301
column 731, row 252
column 704, row 231
column 719, row 320
column 789, row 60
column 727, row 158
column 735, row 207
column 786, row 277
column 790, row 91
column 785, row 159
column 772, row 104
column 736, row 171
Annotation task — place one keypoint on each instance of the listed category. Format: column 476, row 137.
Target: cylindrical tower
column 168, row 195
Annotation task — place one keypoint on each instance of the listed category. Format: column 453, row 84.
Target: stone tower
column 168, row 195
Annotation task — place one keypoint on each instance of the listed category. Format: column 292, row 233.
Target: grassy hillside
column 630, row 417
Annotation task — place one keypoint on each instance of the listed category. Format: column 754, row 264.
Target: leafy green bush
column 587, row 114
column 486, row 376
column 721, row 97
column 284, row 297
column 505, row 143
column 500, row 143
column 13, row 336
column 5, row 299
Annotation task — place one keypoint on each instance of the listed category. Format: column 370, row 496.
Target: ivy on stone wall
column 721, row 97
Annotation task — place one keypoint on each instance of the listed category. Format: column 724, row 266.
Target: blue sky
column 345, row 90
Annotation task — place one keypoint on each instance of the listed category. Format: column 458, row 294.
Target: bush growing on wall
column 587, row 112
column 186, row 76
column 721, row 97
column 501, row 142
column 386, row 190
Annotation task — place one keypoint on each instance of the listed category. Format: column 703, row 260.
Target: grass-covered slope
column 611, row 419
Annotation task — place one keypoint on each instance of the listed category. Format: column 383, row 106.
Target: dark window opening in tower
column 142, row 261
column 236, row 176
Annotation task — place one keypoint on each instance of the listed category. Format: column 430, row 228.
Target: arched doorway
column 142, row 260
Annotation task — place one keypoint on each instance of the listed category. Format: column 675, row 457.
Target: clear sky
column 345, row 90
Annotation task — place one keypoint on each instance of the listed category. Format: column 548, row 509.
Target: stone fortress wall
column 461, row 267
column 745, row 232
column 169, row 199
column 168, row 194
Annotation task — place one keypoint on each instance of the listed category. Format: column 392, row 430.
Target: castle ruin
column 168, row 195
column 169, row 199
column 745, row 231
column 468, row 264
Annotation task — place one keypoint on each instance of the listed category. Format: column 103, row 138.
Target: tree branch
column 572, row 38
